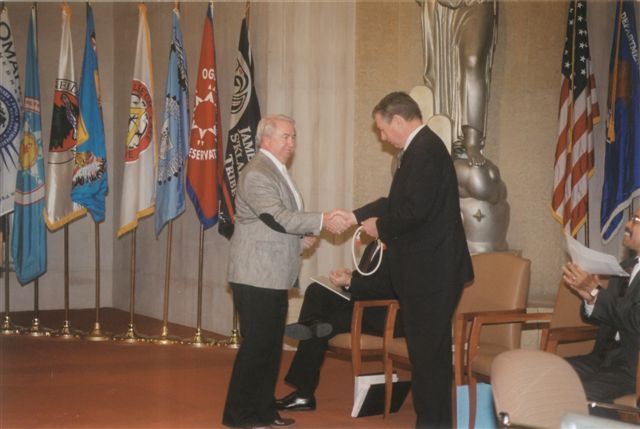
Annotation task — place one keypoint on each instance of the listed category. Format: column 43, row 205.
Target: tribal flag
column 138, row 184
column 90, row 185
column 10, row 114
column 174, row 137
column 204, row 165
column 241, row 144
column 578, row 112
column 622, row 153
column 29, row 239
column 60, row 210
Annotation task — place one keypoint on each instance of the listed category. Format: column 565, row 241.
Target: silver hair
column 267, row 126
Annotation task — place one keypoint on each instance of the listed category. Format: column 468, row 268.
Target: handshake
column 338, row 221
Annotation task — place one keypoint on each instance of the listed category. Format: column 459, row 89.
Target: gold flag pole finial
column 176, row 5
column 247, row 12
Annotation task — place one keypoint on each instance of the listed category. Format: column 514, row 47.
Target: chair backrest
column 501, row 283
column 536, row 388
column 567, row 313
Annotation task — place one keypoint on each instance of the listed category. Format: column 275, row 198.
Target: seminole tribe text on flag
column 60, row 209
column 241, row 143
column 29, row 239
column 138, row 184
column 89, row 185
column 204, row 164
column 174, row 137
column 578, row 112
column 622, row 153
column 10, row 114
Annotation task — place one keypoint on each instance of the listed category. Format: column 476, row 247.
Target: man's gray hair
column 267, row 126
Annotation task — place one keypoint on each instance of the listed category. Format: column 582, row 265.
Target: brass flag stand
column 7, row 328
column 66, row 332
column 198, row 340
column 131, row 336
column 97, row 334
column 233, row 342
column 36, row 330
column 164, row 337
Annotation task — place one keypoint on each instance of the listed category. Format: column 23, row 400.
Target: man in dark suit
column 325, row 314
column 270, row 233
column 609, row 371
column 429, row 260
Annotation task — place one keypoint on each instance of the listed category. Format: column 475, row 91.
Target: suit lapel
column 628, row 265
column 281, row 181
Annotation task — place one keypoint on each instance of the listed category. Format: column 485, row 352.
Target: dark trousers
column 604, row 379
column 427, row 327
column 319, row 304
column 250, row 398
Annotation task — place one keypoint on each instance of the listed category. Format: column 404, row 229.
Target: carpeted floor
column 54, row 383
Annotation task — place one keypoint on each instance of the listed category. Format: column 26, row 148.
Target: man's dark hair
column 397, row 103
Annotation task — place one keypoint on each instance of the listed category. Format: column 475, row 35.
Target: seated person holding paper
column 324, row 314
column 609, row 371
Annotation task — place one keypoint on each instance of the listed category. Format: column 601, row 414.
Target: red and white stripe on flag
column 578, row 112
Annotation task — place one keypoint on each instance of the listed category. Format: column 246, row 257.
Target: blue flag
column 29, row 240
column 622, row 156
column 174, row 136
column 90, row 186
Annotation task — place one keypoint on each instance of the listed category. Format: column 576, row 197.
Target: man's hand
column 369, row 226
column 309, row 241
column 338, row 221
column 580, row 281
column 341, row 277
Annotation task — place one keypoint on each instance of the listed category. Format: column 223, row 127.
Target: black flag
column 241, row 143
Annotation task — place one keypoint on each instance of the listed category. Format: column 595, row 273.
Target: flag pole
column 7, row 328
column 199, row 340
column 36, row 330
column 131, row 336
column 164, row 337
column 66, row 332
column 97, row 334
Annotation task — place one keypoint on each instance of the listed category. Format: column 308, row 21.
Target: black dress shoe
column 293, row 402
column 308, row 329
column 283, row 422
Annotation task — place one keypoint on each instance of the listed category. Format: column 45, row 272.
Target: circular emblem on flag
column 9, row 119
column 140, row 121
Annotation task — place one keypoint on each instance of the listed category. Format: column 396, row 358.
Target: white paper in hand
column 592, row 261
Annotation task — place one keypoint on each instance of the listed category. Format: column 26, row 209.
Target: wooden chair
column 563, row 333
column 501, row 284
column 358, row 346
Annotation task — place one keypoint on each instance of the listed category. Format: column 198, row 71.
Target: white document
column 361, row 386
column 326, row 282
column 592, row 261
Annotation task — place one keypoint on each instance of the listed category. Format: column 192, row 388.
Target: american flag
column 578, row 112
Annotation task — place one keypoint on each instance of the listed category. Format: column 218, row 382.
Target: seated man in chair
column 325, row 314
column 610, row 370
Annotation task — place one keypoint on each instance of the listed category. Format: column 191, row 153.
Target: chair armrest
column 616, row 407
column 479, row 319
column 569, row 334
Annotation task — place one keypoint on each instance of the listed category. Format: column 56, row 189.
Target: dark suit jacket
column 615, row 313
column 420, row 221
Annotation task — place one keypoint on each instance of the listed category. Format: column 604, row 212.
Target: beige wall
column 377, row 47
